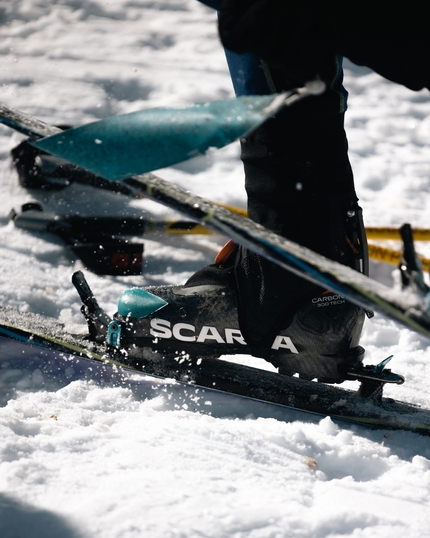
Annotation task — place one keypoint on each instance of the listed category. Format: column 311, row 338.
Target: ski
column 37, row 170
column 407, row 308
column 32, row 341
column 52, row 368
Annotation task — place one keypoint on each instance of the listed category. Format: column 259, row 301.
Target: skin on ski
column 122, row 146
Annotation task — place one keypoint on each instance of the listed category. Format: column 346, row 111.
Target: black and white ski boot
column 198, row 322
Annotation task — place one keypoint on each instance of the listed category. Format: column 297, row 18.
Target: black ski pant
column 300, row 185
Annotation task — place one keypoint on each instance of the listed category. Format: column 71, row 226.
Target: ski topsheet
column 37, row 345
column 407, row 308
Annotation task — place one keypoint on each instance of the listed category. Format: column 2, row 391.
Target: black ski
column 407, row 308
column 36, row 333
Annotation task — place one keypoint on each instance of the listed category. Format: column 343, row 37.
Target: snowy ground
column 84, row 461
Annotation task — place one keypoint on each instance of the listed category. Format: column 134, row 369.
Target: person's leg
column 300, row 185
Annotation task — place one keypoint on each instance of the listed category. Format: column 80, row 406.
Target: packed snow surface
column 81, row 460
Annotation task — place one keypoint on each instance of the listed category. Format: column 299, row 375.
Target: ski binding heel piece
column 373, row 379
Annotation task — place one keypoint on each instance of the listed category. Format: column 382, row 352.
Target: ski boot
column 320, row 341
